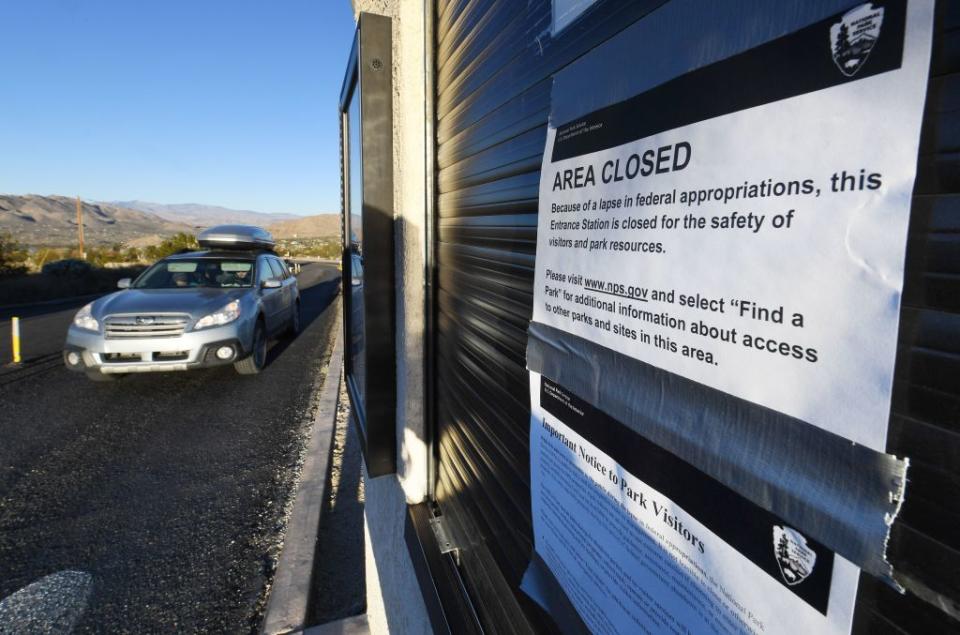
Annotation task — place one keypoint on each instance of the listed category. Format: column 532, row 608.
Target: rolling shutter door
column 495, row 59
column 925, row 415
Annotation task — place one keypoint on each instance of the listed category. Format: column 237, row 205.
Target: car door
column 271, row 299
column 290, row 285
column 286, row 301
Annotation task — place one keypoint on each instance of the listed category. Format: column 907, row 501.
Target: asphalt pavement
column 155, row 503
column 43, row 329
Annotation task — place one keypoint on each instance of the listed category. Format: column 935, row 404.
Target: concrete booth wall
column 394, row 599
column 481, row 90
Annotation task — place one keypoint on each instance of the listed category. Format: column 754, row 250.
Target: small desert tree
column 13, row 257
column 843, row 41
column 171, row 245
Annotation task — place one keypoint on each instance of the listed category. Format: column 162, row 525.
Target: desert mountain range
column 319, row 226
column 204, row 215
column 51, row 221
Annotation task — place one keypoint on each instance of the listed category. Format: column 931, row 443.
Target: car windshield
column 202, row 272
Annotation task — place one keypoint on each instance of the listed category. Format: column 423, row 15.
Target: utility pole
column 80, row 227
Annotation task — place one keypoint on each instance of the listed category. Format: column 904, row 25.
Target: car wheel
column 97, row 376
column 257, row 359
column 294, row 329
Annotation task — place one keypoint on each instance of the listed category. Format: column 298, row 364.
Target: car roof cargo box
column 235, row 237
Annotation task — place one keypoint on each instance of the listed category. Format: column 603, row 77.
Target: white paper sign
column 631, row 559
column 759, row 247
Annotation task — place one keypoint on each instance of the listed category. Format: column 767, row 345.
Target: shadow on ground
column 339, row 582
column 314, row 301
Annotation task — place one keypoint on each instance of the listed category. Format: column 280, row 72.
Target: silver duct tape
column 842, row 494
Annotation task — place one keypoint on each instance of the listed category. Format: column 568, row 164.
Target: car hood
column 194, row 302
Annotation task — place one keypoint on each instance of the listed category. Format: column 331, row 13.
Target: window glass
column 277, row 269
column 354, row 148
column 200, row 272
column 264, row 272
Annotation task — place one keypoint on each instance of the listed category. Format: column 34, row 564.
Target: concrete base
column 356, row 625
column 394, row 599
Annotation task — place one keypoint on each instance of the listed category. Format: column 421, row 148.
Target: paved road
column 42, row 330
column 154, row 504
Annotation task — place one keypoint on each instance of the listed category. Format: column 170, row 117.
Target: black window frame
column 368, row 77
column 262, row 267
column 276, row 267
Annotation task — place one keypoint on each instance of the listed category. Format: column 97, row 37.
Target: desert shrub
column 39, row 287
column 13, row 257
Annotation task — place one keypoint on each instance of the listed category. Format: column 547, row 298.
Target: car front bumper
column 195, row 349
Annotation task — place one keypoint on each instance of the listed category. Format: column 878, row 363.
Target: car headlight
column 84, row 319
column 227, row 314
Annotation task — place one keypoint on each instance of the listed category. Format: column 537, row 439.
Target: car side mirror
column 123, row 283
column 271, row 284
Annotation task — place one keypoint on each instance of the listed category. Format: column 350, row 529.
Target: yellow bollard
column 15, row 334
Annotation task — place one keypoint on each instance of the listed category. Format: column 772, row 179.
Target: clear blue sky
column 221, row 102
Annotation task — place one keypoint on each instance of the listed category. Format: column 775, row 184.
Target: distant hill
column 51, row 221
column 204, row 215
column 319, row 226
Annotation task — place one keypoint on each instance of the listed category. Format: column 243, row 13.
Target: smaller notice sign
column 642, row 542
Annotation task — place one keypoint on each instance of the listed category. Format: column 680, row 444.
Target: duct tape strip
column 842, row 494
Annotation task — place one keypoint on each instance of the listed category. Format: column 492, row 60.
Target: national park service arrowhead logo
column 794, row 557
column 853, row 37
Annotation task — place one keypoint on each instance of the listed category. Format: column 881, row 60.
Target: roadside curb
column 290, row 593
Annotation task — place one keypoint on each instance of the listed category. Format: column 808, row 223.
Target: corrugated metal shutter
column 494, row 63
column 925, row 417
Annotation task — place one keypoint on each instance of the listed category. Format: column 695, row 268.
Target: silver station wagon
column 191, row 310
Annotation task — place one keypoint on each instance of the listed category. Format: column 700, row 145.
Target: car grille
column 156, row 356
column 139, row 326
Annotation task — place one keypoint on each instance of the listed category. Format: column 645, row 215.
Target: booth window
column 366, row 154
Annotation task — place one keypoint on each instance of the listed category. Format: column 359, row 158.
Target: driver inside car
column 210, row 277
column 238, row 278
